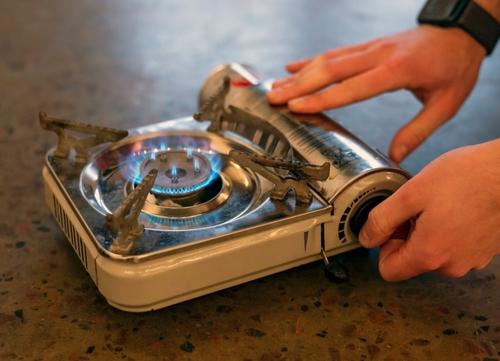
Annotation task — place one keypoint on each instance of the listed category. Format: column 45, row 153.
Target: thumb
column 388, row 216
column 439, row 108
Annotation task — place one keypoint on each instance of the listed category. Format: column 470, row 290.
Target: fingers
column 459, row 268
column 482, row 265
column 439, row 109
column 388, row 216
column 311, row 63
column 401, row 259
column 360, row 87
column 423, row 251
column 319, row 73
column 395, row 261
column 297, row 65
column 279, row 83
column 453, row 272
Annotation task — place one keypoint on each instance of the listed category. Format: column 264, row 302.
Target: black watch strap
column 466, row 14
column 481, row 25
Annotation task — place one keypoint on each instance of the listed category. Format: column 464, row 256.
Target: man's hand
column 454, row 204
column 439, row 66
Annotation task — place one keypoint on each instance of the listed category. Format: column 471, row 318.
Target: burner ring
column 202, row 201
column 179, row 172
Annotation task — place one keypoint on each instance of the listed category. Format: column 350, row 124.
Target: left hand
column 439, row 66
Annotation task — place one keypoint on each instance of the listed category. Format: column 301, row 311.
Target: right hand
column 454, row 203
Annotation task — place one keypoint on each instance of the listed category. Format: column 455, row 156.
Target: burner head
column 189, row 182
column 180, row 172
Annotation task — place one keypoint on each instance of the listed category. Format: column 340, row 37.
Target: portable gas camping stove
column 171, row 211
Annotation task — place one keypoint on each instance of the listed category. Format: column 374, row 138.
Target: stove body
column 182, row 208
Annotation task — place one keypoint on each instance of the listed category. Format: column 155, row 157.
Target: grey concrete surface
column 124, row 63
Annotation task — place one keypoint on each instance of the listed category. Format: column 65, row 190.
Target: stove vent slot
column 70, row 231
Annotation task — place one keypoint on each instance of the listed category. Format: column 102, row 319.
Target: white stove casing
column 173, row 278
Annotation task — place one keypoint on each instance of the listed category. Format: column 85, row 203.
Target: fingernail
column 363, row 238
column 279, row 83
column 275, row 94
column 297, row 102
column 400, row 152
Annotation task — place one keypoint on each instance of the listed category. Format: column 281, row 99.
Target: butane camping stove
column 171, row 211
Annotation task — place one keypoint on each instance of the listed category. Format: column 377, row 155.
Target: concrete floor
column 124, row 63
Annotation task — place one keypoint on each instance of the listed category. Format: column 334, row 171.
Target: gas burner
column 197, row 184
column 188, row 183
column 180, row 172
column 201, row 200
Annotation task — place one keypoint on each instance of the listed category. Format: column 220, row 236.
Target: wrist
column 462, row 41
column 469, row 43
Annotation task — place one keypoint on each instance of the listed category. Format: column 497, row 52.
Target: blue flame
column 196, row 165
column 135, row 160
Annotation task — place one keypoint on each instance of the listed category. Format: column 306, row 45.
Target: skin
column 453, row 204
column 344, row 76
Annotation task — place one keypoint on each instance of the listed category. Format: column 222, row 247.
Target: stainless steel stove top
column 196, row 204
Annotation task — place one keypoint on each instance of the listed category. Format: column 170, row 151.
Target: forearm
column 491, row 6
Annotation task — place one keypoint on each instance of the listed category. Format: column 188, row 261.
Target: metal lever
column 213, row 108
column 334, row 269
column 63, row 128
column 300, row 169
column 300, row 173
column 125, row 219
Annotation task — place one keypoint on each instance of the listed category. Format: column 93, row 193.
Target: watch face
column 443, row 12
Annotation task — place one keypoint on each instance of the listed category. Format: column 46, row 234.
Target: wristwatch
column 465, row 14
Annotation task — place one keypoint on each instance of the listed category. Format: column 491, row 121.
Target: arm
column 439, row 66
